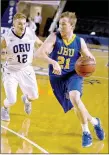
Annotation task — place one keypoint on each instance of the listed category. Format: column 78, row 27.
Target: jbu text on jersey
column 66, row 51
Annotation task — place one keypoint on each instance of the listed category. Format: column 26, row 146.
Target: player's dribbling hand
column 56, row 68
column 91, row 57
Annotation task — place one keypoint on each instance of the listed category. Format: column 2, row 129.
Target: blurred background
column 48, row 126
column 92, row 15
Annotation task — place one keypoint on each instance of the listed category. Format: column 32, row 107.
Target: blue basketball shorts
column 62, row 86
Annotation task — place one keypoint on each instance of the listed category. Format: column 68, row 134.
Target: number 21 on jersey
column 63, row 61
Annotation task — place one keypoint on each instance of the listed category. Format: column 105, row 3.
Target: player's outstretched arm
column 85, row 51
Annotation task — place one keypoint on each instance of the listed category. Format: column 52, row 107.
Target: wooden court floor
column 48, row 128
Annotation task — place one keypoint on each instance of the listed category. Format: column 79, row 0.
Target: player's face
column 65, row 26
column 20, row 25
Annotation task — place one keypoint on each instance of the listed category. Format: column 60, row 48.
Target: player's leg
column 84, row 117
column 81, row 113
column 10, row 86
column 28, row 85
column 60, row 90
column 74, row 88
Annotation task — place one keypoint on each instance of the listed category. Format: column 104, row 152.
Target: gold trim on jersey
column 70, row 41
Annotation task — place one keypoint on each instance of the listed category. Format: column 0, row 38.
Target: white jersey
column 19, row 49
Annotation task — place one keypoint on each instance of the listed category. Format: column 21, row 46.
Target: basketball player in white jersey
column 19, row 46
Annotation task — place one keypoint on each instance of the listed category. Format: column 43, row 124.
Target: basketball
column 85, row 66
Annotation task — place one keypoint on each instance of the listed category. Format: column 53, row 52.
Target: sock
column 85, row 128
column 26, row 99
column 94, row 121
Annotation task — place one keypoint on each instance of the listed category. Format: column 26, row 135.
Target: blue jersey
column 66, row 54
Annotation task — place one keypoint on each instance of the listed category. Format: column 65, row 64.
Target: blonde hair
column 19, row 16
column 71, row 16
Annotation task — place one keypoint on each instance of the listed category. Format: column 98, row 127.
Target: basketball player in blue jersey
column 19, row 45
column 65, row 47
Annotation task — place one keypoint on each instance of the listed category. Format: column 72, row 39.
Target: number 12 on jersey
column 22, row 58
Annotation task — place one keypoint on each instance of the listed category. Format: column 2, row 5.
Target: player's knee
column 74, row 97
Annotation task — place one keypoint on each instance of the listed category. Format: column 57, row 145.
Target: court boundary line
column 106, row 56
column 101, row 77
column 29, row 141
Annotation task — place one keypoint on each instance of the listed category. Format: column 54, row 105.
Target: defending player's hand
column 56, row 68
column 3, row 54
